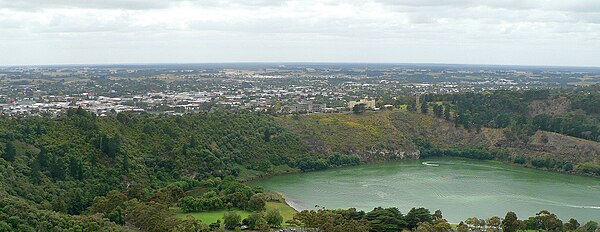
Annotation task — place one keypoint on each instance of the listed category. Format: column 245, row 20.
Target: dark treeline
column 578, row 115
column 422, row 220
column 64, row 164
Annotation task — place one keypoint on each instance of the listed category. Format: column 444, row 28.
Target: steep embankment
column 375, row 135
column 371, row 136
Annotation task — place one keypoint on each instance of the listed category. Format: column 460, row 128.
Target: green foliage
column 116, row 216
column 471, row 153
column 71, row 160
column 151, row 216
column 190, row 224
column 590, row 226
column 438, row 110
column 333, row 220
column 253, row 220
column 208, row 201
column 447, row 111
column 337, row 159
column 256, row 203
column 502, row 109
column 18, row 215
column 359, row 108
column 389, row 219
column 416, row 216
column 511, row 222
column 424, row 106
column 379, row 219
column 589, row 169
column 274, row 218
column 571, row 225
column 10, row 151
column 412, row 106
column 545, row 221
column 231, row 220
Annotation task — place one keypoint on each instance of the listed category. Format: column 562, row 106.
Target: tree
column 231, row 220
column 10, row 152
column 510, row 222
column 116, row 216
column 190, row 224
column 424, row 106
column 416, row 215
column 472, row 222
column 438, row 110
column 590, row 226
column 447, row 111
column 547, row 221
column 388, row 219
column 437, row 216
column 572, row 224
column 442, row 226
column 274, row 218
column 215, row 226
column 424, row 227
column 252, row 220
column 494, row 222
column 412, row 106
column 359, row 108
column 262, row 225
column 256, row 203
column 462, row 227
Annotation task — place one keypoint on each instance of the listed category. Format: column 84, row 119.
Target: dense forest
column 422, row 220
column 126, row 171
column 575, row 112
column 62, row 166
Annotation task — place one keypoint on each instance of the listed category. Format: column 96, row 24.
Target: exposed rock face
column 384, row 154
column 385, row 136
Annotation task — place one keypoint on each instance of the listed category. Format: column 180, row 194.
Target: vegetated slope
column 360, row 133
column 371, row 136
column 62, row 164
column 542, row 144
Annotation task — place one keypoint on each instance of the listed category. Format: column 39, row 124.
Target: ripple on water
column 459, row 188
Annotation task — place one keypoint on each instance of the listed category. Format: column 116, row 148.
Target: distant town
column 272, row 88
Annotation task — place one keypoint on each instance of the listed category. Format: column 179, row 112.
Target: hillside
column 371, row 136
column 61, row 165
column 374, row 132
column 103, row 172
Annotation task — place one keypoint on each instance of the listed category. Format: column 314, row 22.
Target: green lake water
column 460, row 188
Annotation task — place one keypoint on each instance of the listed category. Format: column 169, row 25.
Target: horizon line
column 296, row 62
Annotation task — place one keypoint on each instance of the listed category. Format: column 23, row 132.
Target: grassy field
column 213, row 216
column 209, row 217
column 286, row 211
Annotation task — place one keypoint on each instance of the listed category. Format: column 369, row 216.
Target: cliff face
column 380, row 136
column 370, row 136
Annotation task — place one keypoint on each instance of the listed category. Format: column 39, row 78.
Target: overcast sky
column 523, row 32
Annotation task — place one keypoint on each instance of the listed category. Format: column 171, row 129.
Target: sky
column 511, row 32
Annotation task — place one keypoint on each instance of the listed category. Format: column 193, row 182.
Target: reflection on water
column 460, row 188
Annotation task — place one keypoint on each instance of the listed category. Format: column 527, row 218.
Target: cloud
column 380, row 29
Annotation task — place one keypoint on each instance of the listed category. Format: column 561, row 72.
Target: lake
column 460, row 188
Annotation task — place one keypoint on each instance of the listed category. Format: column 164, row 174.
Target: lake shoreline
column 484, row 188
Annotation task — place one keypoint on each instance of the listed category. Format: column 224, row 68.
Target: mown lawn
column 213, row 216
column 210, row 217
column 286, row 211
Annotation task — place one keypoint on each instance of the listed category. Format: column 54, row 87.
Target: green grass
column 210, row 217
column 286, row 211
column 213, row 216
